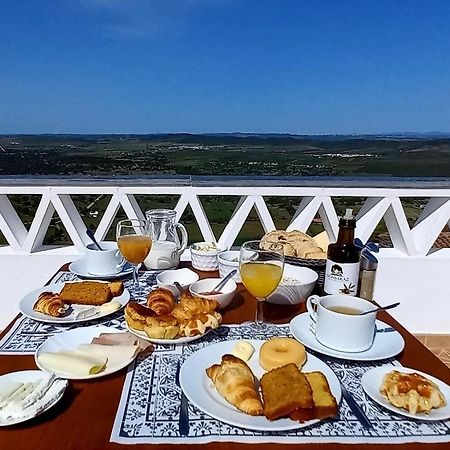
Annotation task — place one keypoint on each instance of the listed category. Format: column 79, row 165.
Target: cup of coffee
column 107, row 261
column 338, row 323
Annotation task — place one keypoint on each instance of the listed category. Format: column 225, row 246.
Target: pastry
column 86, row 293
column 161, row 327
column 136, row 315
column 50, row 304
column 411, row 391
column 189, row 307
column 161, row 301
column 235, row 382
column 200, row 323
column 284, row 390
column 279, row 351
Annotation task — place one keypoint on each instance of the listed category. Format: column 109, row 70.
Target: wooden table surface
column 84, row 418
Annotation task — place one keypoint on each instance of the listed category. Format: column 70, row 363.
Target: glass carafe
column 166, row 248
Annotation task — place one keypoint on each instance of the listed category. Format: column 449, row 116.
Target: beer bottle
column 342, row 269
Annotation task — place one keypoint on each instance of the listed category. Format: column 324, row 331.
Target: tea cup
column 338, row 324
column 107, row 261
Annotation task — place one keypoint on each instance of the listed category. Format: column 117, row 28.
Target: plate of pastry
column 271, row 385
column 26, row 394
column 408, row 392
column 74, row 302
column 163, row 321
column 78, row 354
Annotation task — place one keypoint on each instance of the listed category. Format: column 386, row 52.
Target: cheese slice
column 115, row 354
column 73, row 362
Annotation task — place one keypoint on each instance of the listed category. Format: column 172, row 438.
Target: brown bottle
column 342, row 270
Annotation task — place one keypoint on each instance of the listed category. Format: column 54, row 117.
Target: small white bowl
column 206, row 260
column 295, row 287
column 207, row 284
column 229, row 261
column 167, row 278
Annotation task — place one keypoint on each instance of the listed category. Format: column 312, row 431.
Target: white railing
column 412, row 270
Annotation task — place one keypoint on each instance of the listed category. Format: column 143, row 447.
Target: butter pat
column 243, row 350
column 109, row 307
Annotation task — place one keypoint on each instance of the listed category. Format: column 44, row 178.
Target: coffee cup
column 338, row 324
column 107, row 261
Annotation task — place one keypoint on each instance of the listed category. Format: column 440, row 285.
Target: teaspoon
column 92, row 238
column 381, row 308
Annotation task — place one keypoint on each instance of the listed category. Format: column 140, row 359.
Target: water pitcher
column 166, row 248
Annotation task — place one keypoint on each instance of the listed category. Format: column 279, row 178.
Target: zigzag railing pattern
column 380, row 204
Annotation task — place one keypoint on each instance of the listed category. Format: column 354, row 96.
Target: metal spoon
column 92, row 238
column 216, row 290
column 381, row 308
column 178, row 286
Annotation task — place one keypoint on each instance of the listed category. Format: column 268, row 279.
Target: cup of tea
column 338, row 323
column 107, row 261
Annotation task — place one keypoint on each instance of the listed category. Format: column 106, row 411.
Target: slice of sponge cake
column 324, row 403
column 86, row 293
column 284, row 390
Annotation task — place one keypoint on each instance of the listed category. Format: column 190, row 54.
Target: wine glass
column 261, row 271
column 134, row 239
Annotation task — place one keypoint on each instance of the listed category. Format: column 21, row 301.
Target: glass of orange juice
column 261, row 271
column 134, row 239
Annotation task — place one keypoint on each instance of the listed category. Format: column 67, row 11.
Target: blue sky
column 305, row 67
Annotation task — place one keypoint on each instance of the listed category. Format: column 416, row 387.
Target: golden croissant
column 235, row 382
column 161, row 301
column 50, row 304
column 189, row 307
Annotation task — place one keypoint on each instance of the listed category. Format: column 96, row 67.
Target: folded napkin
column 73, row 362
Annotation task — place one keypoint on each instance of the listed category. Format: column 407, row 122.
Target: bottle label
column 341, row 278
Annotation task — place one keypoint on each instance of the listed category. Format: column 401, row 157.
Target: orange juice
column 261, row 278
column 134, row 247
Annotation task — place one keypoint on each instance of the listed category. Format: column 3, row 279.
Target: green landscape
column 140, row 156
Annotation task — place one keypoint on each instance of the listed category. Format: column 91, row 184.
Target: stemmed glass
column 261, row 271
column 134, row 239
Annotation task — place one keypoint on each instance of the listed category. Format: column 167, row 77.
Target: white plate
column 70, row 340
column 385, row 345
column 78, row 267
column 180, row 340
column 371, row 383
column 51, row 397
column 200, row 390
column 27, row 303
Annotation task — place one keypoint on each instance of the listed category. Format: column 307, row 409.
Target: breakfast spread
column 411, row 391
column 96, row 296
column 286, row 392
column 279, row 351
column 163, row 319
column 295, row 243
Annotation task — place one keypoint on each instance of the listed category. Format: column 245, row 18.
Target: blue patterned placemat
column 150, row 404
column 27, row 334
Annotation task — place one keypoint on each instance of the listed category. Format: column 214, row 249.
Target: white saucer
column 385, row 345
column 78, row 267
column 371, row 383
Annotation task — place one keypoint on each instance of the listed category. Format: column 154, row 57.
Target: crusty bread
column 86, row 293
column 324, row 403
column 116, row 288
column 284, row 390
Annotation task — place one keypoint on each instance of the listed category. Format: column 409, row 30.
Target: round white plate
column 27, row 303
column 385, row 345
column 50, row 398
column 180, row 340
column 78, row 267
column 200, row 390
column 70, row 340
column 371, row 383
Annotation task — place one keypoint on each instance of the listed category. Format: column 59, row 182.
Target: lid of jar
column 368, row 261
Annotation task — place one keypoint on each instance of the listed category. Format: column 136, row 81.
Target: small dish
column 295, row 287
column 184, row 276
column 78, row 267
column 371, row 383
column 207, row 284
column 204, row 255
column 229, row 261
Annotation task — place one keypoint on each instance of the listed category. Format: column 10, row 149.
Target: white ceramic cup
column 339, row 331
column 107, row 261
column 183, row 276
column 163, row 255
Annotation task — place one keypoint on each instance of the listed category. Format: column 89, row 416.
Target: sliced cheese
column 115, row 354
column 243, row 350
column 73, row 362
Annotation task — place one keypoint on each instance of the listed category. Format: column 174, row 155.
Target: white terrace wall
column 412, row 272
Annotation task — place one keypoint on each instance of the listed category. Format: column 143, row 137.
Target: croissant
column 161, row 301
column 189, row 307
column 235, row 382
column 50, row 304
